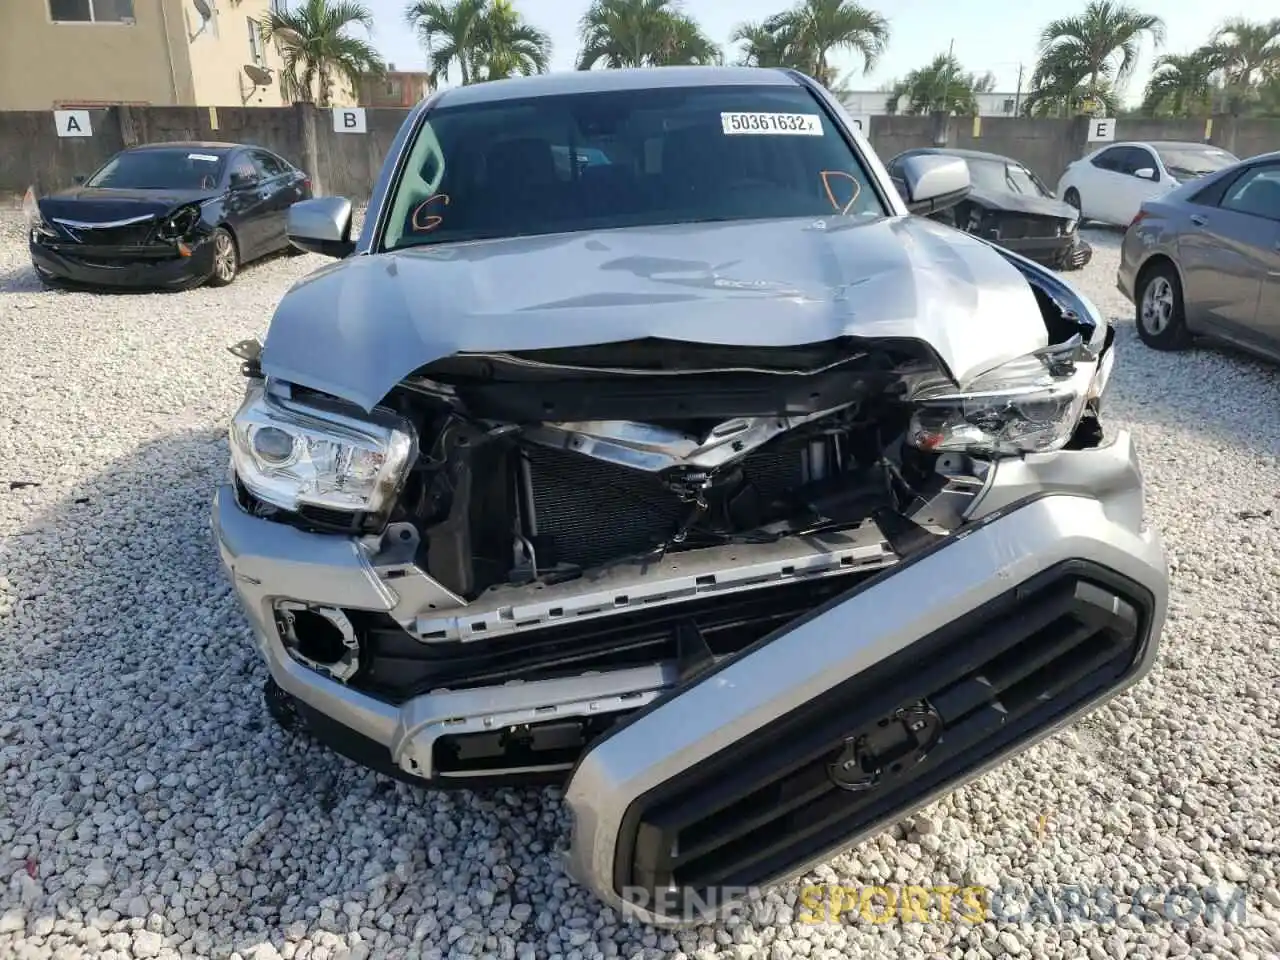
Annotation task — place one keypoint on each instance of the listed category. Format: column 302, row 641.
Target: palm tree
column 1086, row 59
column 484, row 39
column 1181, row 85
column 317, row 48
column 642, row 33
column 451, row 32
column 510, row 45
column 942, row 86
column 804, row 36
column 765, row 47
column 1249, row 52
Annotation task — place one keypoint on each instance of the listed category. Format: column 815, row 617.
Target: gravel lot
column 149, row 808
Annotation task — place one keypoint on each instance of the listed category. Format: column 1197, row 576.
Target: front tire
column 226, row 258
column 1159, row 312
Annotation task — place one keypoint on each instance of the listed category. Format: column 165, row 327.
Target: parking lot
column 150, row 808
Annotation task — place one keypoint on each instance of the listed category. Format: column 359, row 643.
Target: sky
column 987, row 36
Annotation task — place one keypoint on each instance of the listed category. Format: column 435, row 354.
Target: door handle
column 1199, row 220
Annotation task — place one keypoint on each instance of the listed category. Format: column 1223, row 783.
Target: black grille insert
column 911, row 725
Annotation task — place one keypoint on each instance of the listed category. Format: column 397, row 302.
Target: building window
column 255, row 43
column 91, row 11
column 278, row 6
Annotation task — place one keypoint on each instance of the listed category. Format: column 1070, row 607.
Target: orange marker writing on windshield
column 432, row 220
column 826, row 185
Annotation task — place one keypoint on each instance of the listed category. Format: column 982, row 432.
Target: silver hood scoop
column 360, row 326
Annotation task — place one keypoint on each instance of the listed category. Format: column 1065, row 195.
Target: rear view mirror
column 322, row 226
column 79, row 179
column 934, row 182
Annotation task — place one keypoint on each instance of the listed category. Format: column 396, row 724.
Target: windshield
column 1004, row 177
column 1192, row 161
column 624, row 158
column 152, row 169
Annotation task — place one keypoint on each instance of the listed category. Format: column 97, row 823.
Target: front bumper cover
column 151, row 266
column 1069, row 522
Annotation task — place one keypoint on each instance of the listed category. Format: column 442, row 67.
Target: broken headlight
column 1028, row 405
column 180, row 224
column 292, row 456
column 36, row 223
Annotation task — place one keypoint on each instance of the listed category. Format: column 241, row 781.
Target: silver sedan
column 1204, row 260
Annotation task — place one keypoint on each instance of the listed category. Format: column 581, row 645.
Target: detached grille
column 881, row 741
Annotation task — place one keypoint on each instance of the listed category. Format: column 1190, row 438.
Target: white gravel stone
column 150, row 808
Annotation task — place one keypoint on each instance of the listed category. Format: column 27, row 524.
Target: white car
column 1110, row 184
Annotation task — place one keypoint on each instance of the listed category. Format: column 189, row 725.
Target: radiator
column 589, row 511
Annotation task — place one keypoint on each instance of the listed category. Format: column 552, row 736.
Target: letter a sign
column 349, row 120
column 73, row 123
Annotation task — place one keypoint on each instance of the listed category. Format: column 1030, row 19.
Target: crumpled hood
column 102, row 205
column 358, row 327
column 1024, row 203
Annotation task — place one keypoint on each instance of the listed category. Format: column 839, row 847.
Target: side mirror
column 322, row 226
column 934, row 182
column 240, row 180
column 79, row 179
column 1146, row 173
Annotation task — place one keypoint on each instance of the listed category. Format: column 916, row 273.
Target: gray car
column 1205, row 260
column 701, row 477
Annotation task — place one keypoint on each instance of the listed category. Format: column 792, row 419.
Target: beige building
column 83, row 53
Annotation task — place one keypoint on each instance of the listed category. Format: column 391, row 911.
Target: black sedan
column 1012, row 207
column 171, row 215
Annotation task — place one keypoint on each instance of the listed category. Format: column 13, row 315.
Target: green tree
column 452, row 34
column 317, row 47
column 942, row 86
column 642, row 33
column 1181, row 85
column 805, row 36
column 511, row 45
column 1085, row 59
column 1249, row 53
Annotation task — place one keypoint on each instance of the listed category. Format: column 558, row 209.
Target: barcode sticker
column 792, row 124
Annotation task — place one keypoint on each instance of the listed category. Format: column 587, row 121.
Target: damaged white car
column 646, row 442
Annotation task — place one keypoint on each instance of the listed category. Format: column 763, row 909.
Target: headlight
column 291, row 456
column 1070, row 228
column 35, row 219
column 180, row 223
column 1028, row 405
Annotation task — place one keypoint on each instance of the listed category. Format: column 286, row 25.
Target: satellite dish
column 260, row 76
column 202, row 8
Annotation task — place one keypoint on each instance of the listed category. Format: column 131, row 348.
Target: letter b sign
column 349, row 120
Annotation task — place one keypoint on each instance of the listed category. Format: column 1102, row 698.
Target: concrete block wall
column 346, row 164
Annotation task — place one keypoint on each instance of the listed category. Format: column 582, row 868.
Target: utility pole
column 1017, row 96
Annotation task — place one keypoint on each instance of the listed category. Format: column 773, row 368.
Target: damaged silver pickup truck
column 644, row 441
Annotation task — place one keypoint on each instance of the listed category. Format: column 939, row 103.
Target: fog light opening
column 321, row 638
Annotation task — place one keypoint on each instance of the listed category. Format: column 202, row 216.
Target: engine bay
column 500, row 504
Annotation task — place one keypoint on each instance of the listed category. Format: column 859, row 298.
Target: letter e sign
column 349, row 120
column 73, row 123
column 1102, row 130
